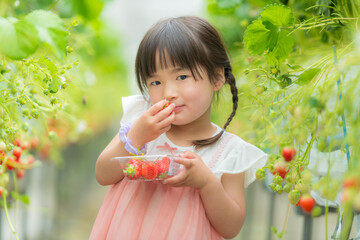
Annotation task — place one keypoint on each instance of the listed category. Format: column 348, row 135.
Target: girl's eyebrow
column 178, row 69
column 174, row 70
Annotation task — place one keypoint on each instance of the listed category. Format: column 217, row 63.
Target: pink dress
column 151, row 210
column 139, row 210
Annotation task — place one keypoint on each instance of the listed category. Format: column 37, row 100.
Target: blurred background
column 89, row 72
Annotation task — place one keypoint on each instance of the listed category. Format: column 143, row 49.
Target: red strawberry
column 288, row 153
column 17, row 142
column 17, row 153
column 20, row 173
column 163, row 165
column 281, row 169
column 133, row 170
column 307, row 203
column 2, row 156
column 1, row 191
column 149, row 171
column 10, row 159
column 34, row 143
column 30, row 159
column 166, row 104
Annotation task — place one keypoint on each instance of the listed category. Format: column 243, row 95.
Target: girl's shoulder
column 234, row 155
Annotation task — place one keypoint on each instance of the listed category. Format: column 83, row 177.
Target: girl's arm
column 224, row 201
column 225, row 204
column 106, row 171
column 149, row 126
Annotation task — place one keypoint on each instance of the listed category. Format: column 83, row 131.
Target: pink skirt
column 150, row 210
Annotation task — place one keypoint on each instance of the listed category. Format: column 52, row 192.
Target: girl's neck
column 184, row 135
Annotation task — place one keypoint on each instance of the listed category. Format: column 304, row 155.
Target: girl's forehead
column 164, row 61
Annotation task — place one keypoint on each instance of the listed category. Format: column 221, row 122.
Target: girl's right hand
column 154, row 122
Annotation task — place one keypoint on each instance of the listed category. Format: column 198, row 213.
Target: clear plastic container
column 148, row 167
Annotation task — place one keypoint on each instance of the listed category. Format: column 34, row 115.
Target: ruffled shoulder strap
column 239, row 156
column 133, row 107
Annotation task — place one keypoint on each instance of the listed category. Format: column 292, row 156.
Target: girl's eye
column 181, row 77
column 154, row 83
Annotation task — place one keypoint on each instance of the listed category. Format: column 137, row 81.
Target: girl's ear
column 220, row 80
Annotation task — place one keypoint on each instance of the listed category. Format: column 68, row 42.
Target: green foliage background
column 297, row 68
column 59, row 63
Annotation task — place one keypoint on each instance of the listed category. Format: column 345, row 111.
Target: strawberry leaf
column 256, row 36
column 278, row 15
column 23, row 198
column 18, row 38
column 51, row 29
column 281, row 50
column 268, row 34
column 307, row 76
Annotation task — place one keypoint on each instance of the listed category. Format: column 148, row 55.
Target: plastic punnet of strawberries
column 148, row 168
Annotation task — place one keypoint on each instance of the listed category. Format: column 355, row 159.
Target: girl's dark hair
column 188, row 42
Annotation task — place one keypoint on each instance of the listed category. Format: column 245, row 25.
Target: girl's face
column 192, row 98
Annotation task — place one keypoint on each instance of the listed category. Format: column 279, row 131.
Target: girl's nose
column 170, row 91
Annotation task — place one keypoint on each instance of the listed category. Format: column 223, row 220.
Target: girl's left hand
column 194, row 174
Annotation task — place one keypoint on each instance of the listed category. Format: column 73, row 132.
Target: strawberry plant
column 297, row 63
column 49, row 61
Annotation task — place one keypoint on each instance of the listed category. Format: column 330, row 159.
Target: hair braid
column 230, row 79
column 234, row 91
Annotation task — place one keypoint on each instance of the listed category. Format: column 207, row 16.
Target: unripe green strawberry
column 316, row 212
column 260, row 174
column 260, row 89
column 287, row 188
column 274, row 70
column 35, row 113
column 278, row 189
column 277, row 179
column 303, row 187
column 294, row 196
column 306, row 175
column 273, row 186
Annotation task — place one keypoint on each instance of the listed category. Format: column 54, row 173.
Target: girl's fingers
column 154, row 109
column 167, row 121
column 184, row 161
column 188, row 154
column 176, row 180
column 165, row 112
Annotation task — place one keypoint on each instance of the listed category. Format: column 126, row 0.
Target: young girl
column 181, row 61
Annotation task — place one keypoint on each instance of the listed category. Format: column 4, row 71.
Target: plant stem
column 8, row 218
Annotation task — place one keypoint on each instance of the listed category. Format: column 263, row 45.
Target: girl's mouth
column 178, row 108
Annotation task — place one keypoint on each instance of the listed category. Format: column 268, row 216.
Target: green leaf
column 54, row 85
column 18, row 38
column 278, row 15
column 50, row 28
column 225, row 4
column 23, row 198
column 307, row 76
column 295, row 67
column 50, row 65
column 284, row 46
column 89, row 9
column 272, row 37
column 268, row 34
column 255, row 37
